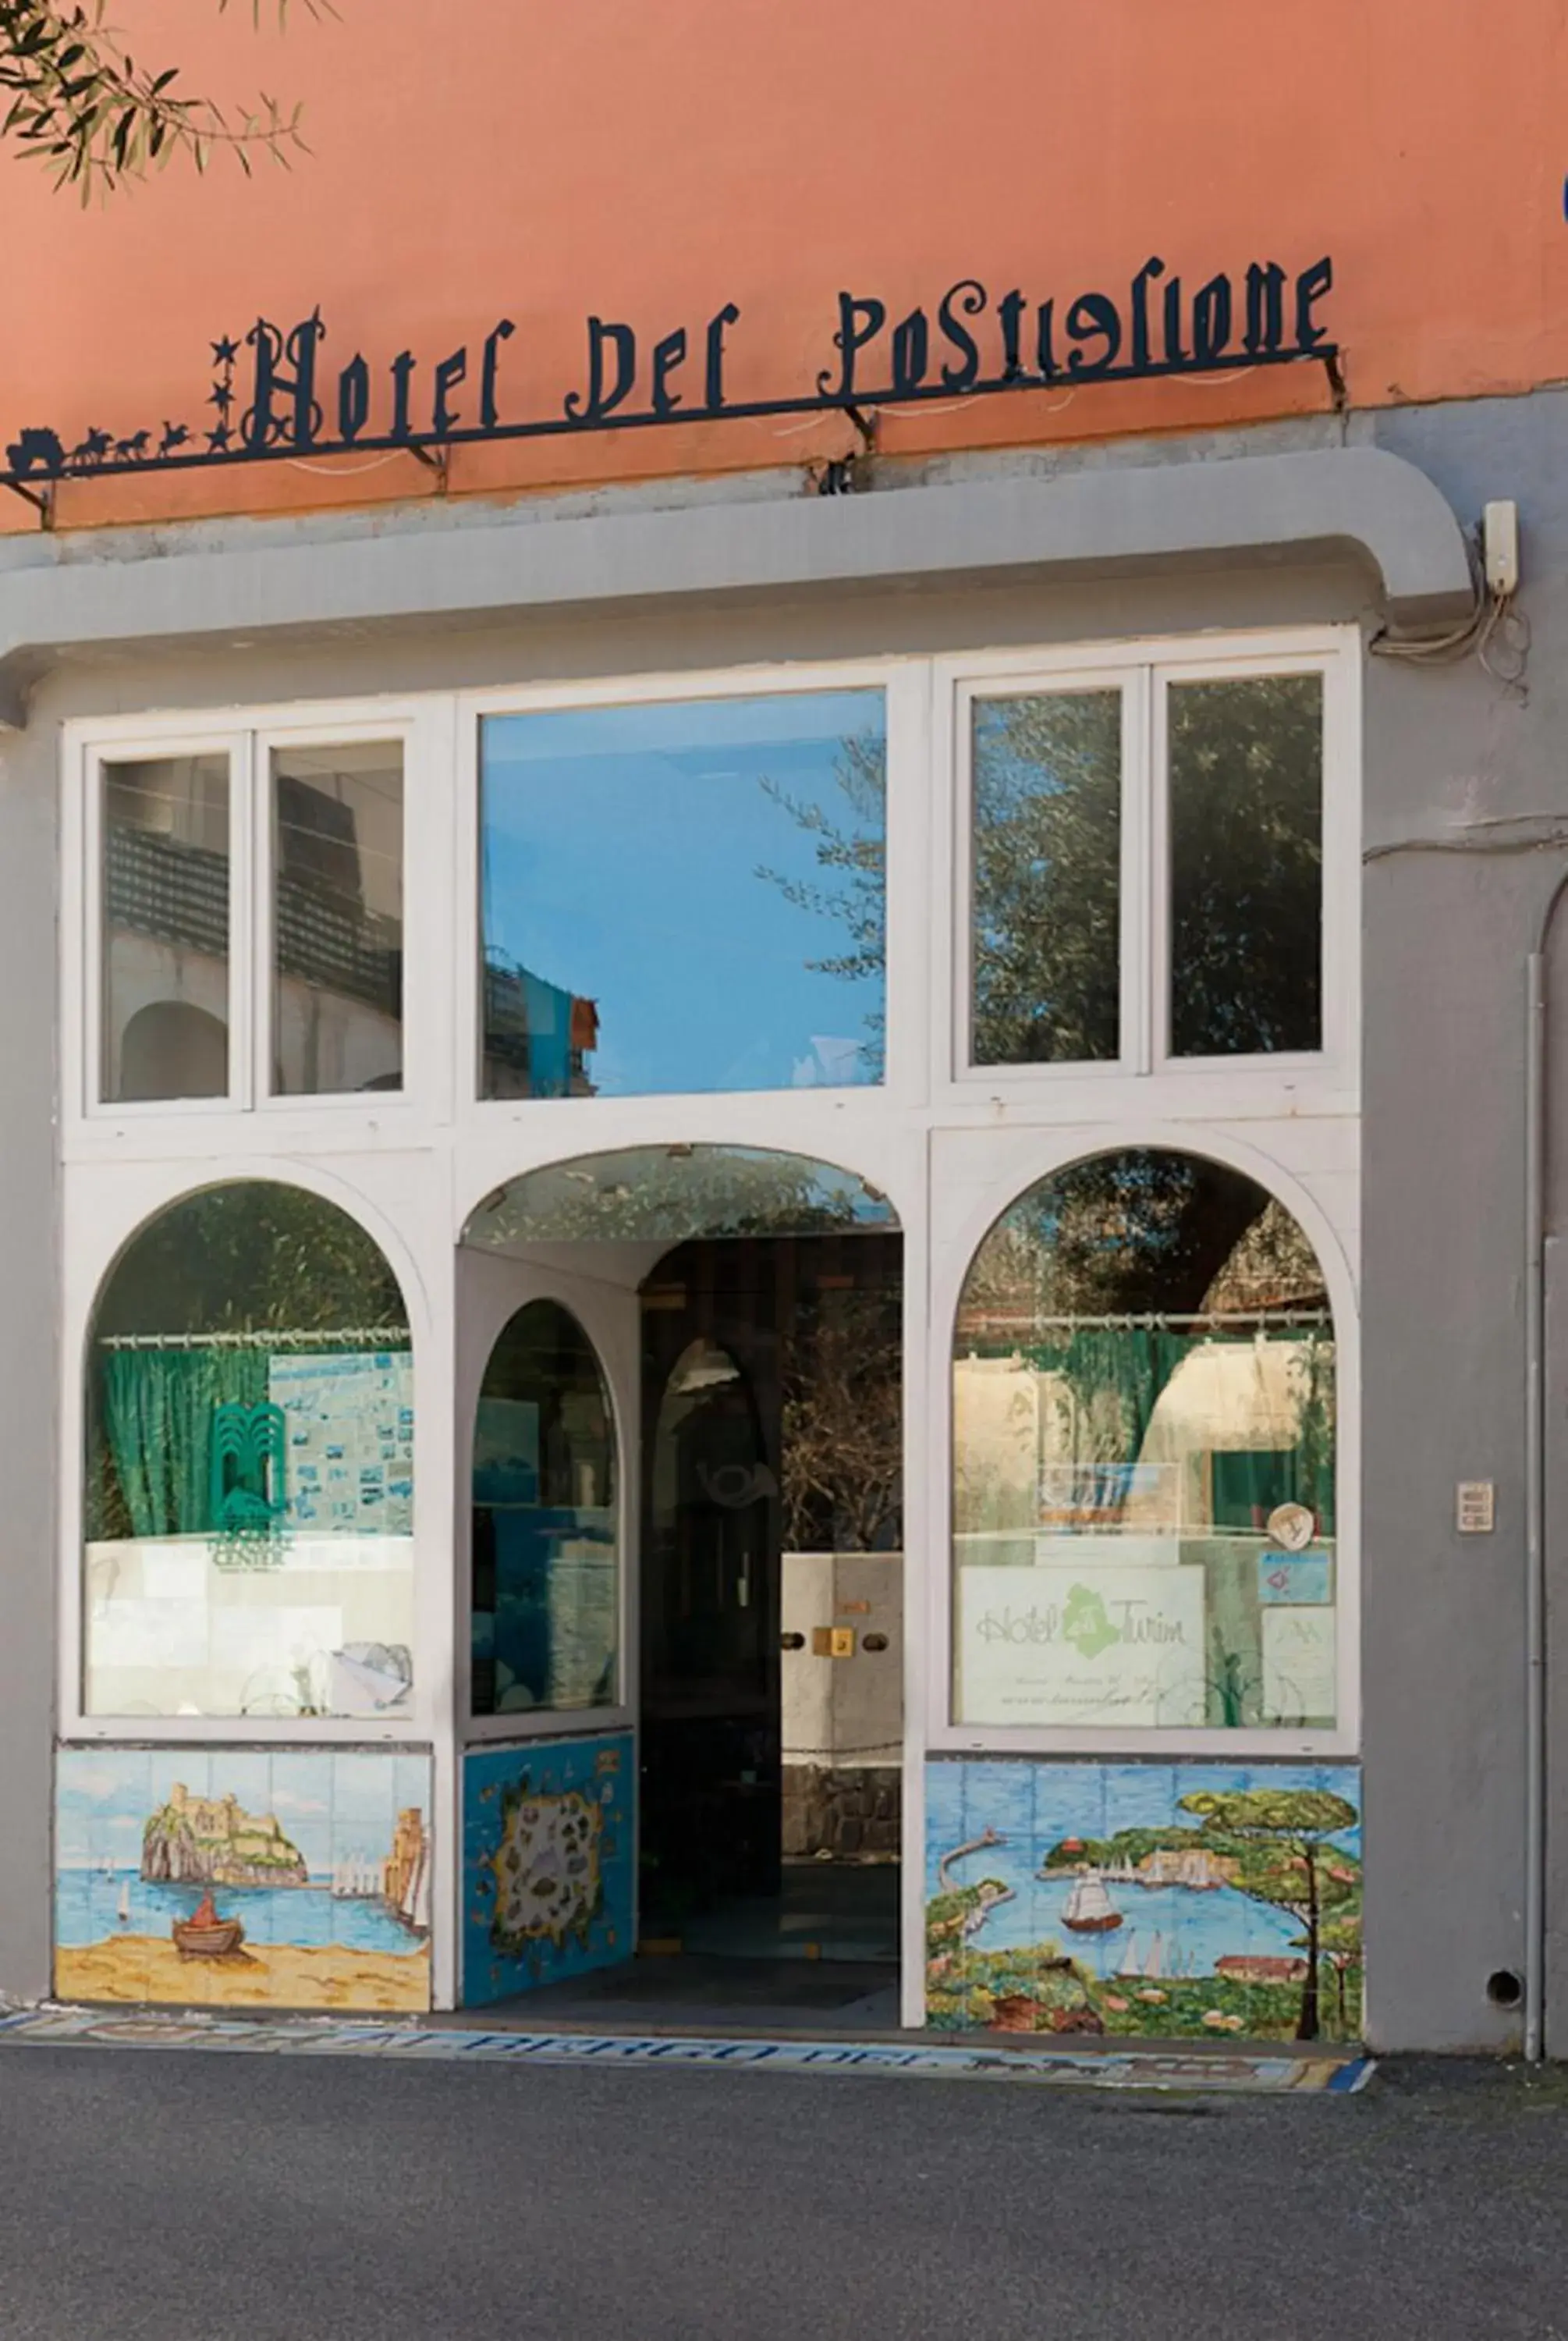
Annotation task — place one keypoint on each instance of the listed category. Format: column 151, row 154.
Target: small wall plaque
column 1475, row 1507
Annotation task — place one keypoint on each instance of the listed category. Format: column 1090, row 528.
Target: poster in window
column 349, row 1444
column 1059, row 1646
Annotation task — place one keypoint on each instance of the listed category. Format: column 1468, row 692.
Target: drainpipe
column 1535, row 1755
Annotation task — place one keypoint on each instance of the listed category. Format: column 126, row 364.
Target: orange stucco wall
column 649, row 163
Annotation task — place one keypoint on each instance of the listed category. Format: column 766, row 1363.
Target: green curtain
column 157, row 1419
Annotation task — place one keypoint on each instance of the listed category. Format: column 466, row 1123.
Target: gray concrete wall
column 29, row 994
column 1451, row 755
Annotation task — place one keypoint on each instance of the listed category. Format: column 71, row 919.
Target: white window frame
column 1291, row 1113
column 903, row 681
column 141, row 1191
column 520, row 1726
column 247, row 736
column 1053, row 1150
column 1144, row 669
column 82, row 841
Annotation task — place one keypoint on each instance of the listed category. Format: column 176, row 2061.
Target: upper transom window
column 1145, row 868
column 684, row 896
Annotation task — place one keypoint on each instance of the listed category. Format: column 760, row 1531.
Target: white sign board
column 1064, row 1646
column 1298, row 1668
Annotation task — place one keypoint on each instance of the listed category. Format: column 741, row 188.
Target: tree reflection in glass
column 1046, row 853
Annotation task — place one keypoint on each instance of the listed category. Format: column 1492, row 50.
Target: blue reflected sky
column 626, row 853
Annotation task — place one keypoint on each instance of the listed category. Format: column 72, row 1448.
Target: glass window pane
column 1143, row 1457
column 1247, row 865
column 546, row 1561
column 250, row 1466
column 668, row 1194
column 1047, row 884
column 165, row 928
column 685, row 897
column 337, row 919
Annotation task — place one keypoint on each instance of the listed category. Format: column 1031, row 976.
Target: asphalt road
column 196, row 2197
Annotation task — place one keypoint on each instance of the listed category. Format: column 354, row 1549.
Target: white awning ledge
column 313, row 577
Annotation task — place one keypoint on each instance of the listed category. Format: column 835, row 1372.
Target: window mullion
column 1157, row 870
column 248, row 926
column 1138, row 1003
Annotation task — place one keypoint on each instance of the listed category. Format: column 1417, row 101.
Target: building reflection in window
column 166, row 929
column 337, row 918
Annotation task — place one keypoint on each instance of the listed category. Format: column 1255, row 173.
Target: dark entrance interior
column 772, row 1602
column 766, row 1573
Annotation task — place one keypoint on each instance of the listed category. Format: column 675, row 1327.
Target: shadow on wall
column 1143, row 1898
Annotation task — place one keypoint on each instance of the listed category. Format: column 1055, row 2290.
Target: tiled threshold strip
column 1098, row 2069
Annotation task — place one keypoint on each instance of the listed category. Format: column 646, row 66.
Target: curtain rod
column 1161, row 1321
column 365, row 1337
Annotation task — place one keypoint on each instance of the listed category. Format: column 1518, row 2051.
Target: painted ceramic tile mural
column 549, row 1847
column 1152, row 1898
column 229, row 1878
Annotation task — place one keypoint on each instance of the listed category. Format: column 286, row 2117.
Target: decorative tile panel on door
column 1160, row 1899
column 243, row 1878
column 549, row 1863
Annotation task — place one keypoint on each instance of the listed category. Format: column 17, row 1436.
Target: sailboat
column 356, row 1879
column 1089, row 1909
column 123, row 1912
column 413, row 1907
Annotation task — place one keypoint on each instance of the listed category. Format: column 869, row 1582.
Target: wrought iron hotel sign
column 276, row 393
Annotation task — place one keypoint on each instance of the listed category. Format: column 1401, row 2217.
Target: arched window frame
column 595, row 1323
column 129, row 1204
column 952, row 1264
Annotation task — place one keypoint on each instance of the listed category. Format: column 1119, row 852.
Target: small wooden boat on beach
column 205, row 1935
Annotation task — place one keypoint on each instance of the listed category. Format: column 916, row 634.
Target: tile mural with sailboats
column 239, row 1877
column 1143, row 1898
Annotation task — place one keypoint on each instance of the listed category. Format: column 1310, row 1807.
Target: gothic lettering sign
column 281, row 392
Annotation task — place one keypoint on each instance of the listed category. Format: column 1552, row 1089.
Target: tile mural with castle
column 549, row 1863
column 1143, row 1898
column 193, row 1876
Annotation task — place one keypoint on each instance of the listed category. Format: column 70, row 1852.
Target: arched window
column 1144, row 1457
column 546, row 1552
column 249, row 1466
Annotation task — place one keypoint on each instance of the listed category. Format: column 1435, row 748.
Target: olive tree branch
column 81, row 105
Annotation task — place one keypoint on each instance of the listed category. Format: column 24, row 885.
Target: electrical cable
column 1497, row 622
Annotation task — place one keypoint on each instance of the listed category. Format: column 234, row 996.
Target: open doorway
column 748, row 1309
column 771, row 1606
